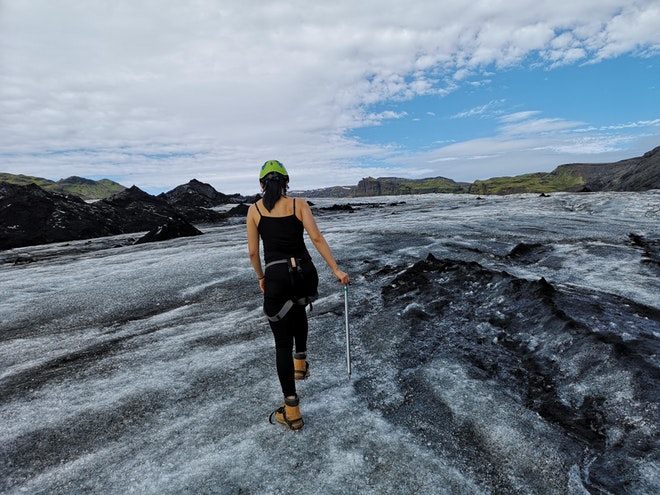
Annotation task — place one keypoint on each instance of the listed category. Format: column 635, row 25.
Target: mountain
column 78, row 186
column 326, row 192
column 393, row 186
column 633, row 174
column 388, row 186
column 88, row 189
column 37, row 211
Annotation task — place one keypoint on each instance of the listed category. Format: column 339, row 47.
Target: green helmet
column 272, row 166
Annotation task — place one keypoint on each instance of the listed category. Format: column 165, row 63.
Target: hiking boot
column 288, row 415
column 300, row 366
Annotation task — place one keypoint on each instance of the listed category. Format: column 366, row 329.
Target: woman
column 288, row 273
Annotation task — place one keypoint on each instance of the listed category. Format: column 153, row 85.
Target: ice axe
column 348, row 334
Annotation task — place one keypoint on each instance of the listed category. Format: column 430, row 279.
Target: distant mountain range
column 37, row 211
column 633, row 174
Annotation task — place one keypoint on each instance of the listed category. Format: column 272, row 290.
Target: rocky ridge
column 30, row 215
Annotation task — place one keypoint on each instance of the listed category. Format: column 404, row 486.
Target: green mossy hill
column 385, row 186
column 25, row 180
column 77, row 186
column 540, row 182
column 633, row 174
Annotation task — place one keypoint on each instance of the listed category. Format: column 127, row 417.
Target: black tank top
column 282, row 236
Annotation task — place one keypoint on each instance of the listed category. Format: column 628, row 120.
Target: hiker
column 288, row 279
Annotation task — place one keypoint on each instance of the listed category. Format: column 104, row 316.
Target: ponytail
column 275, row 186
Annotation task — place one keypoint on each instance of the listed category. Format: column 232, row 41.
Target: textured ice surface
column 150, row 368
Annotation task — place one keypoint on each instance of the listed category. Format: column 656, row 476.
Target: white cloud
column 519, row 116
column 537, row 127
column 480, row 110
column 101, row 88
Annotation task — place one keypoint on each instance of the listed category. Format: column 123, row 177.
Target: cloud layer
column 156, row 92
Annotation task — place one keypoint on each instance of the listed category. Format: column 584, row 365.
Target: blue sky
column 620, row 90
column 155, row 93
column 600, row 108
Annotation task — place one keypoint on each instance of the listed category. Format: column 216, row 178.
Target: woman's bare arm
column 321, row 245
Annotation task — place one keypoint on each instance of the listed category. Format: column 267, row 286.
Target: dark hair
column 275, row 186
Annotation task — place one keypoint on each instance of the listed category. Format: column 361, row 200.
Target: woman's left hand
column 342, row 276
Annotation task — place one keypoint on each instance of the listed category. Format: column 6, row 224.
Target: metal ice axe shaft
column 348, row 334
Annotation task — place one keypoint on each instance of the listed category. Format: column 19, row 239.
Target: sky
column 155, row 93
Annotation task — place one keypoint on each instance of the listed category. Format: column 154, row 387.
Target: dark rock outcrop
column 633, row 174
column 640, row 174
column 336, row 207
column 238, row 211
column 650, row 248
column 551, row 348
column 136, row 210
column 30, row 215
column 172, row 229
column 385, row 186
column 195, row 193
column 196, row 199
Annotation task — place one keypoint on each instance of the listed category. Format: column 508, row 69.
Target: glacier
column 502, row 344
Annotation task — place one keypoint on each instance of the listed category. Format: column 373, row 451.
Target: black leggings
column 289, row 330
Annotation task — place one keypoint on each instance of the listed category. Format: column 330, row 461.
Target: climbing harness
column 297, row 281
